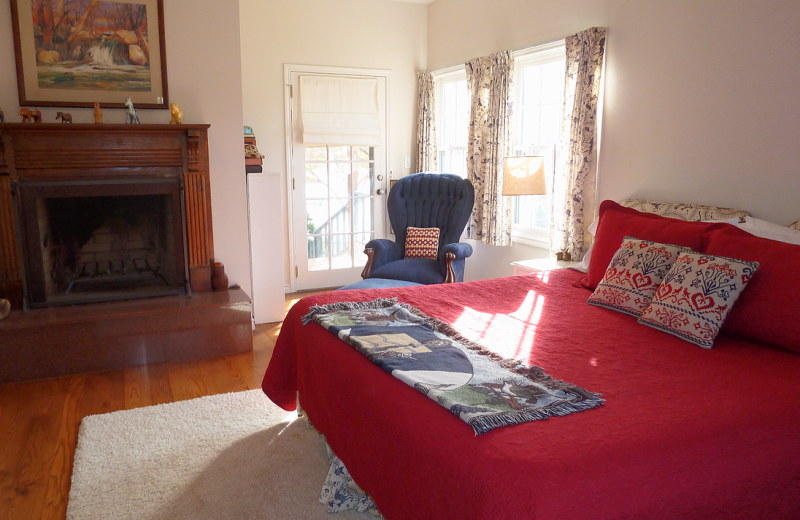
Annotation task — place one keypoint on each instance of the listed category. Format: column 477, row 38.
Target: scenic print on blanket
column 483, row 389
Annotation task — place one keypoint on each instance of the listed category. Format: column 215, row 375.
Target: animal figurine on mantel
column 130, row 115
column 177, row 115
column 28, row 115
column 65, row 118
column 98, row 114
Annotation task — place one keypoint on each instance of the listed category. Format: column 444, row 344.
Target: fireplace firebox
column 89, row 242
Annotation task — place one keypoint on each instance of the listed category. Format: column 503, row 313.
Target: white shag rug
column 232, row 455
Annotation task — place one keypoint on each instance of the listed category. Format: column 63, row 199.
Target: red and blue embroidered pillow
column 635, row 272
column 422, row 243
column 696, row 295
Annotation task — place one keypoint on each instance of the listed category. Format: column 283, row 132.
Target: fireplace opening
column 91, row 247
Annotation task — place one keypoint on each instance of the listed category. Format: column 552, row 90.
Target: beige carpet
column 224, row 456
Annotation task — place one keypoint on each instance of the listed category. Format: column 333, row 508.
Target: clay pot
column 219, row 280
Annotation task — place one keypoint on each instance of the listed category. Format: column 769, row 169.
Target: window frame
column 442, row 78
column 539, row 55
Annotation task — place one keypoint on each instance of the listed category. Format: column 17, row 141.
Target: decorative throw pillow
column 696, row 295
column 634, row 274
column 422, row 243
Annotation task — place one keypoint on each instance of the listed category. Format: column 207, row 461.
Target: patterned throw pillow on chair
column 422, row 243
column 634, row 274
column 696, row 295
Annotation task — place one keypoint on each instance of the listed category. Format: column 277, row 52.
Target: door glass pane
column 359, row 242
column 340, row 179
column 363, row 179
column 362, row 214
column 340, row 252
column 340, row 216
column 316, row 180
column 317, row 253
column 362, row 153
column 316, row 153
column 339, row 153
column 317, row 216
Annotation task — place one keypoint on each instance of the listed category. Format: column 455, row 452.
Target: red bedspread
column 685, row 432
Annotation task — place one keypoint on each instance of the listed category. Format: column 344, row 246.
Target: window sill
column 537, row 237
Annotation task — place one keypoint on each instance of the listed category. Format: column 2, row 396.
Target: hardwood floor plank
column 34, row 412
column 224, row 375
column 186, row 379
column 104, row 392
column 58, row 483
column 159, row 388
column 137, row 387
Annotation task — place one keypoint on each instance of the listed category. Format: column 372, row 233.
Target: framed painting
column 74, row 53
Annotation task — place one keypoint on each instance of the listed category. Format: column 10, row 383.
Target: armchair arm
column 380, row 252
column 452, row 259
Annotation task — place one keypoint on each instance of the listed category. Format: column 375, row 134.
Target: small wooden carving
column 65, row 118
column 2, row 116
column 451, row 274
column 98, row 114
column 130, row 116
column 5, row 308
column 370, row 252
column 28, row 115
column 177, row 115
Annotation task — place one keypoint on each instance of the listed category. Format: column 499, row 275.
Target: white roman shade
column 340, row 111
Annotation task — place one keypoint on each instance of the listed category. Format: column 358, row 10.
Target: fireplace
column 92, row 213
column 107, row 216
column 91, row 242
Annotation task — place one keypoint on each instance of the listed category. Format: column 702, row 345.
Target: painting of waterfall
column 76, row 50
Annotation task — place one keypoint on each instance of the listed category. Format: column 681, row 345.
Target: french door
column 338, row 196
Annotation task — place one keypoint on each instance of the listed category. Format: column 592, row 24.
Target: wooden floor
column 39, row 420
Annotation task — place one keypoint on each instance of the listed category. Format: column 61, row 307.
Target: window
column 452, row 121
column 539, row 92
column 538, row 102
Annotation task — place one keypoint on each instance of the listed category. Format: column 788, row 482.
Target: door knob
column 380, row 191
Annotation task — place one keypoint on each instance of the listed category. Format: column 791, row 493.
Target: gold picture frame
column 74, row 54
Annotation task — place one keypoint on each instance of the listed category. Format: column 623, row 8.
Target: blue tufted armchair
column 424, row 200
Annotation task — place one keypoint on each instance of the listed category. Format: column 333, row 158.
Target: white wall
column 700, row 102
column 377, row 34
column 204, row 72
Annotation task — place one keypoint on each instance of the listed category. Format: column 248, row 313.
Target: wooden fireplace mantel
column 31, row 152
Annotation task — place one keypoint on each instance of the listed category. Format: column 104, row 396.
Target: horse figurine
column 65, row 118
column 28, row 115
column 130, row 116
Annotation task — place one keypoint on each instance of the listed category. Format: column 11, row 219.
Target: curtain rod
column 524, row 50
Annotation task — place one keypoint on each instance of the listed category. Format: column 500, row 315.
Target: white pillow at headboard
column 764, row 229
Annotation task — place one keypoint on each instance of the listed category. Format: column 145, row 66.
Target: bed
column 684, row 432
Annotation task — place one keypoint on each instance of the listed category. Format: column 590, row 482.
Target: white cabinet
column 265, row 218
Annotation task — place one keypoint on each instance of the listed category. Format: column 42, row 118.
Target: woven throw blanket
column 485, row 390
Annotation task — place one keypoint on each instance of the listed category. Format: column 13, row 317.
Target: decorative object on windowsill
column 5, row 308
column 98, row 114
column 219, row 280
column 65, row 118
column 130, row 116
column 524, row 175
column 28, row 115
column 564, row 255
column 177, row 115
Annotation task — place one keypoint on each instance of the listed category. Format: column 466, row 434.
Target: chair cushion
column 422, row 242
column 419, row 270
column 376, row 283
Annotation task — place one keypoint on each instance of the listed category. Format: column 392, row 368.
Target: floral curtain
column 426, row 123
column 490, row 84
column 578, row 137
